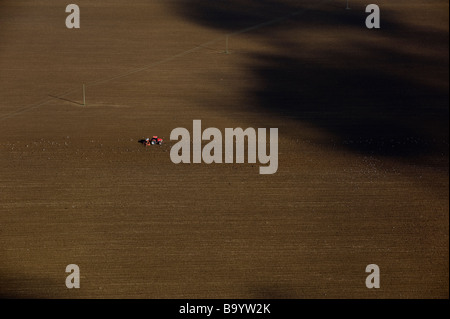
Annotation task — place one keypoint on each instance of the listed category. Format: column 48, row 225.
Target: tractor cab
column 156, row 140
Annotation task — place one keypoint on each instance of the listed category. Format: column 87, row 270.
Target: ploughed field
column 362, row 164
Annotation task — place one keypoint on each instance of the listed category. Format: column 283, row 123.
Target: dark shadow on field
column 367, row 110
column 24, row 286
column 274, row 291
column 384, row 97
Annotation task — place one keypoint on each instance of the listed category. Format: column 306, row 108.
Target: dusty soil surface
column 363, row 150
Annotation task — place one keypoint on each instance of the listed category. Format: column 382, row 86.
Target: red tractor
column 153, row 141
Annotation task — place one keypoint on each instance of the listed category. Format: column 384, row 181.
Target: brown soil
column 363, row 150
